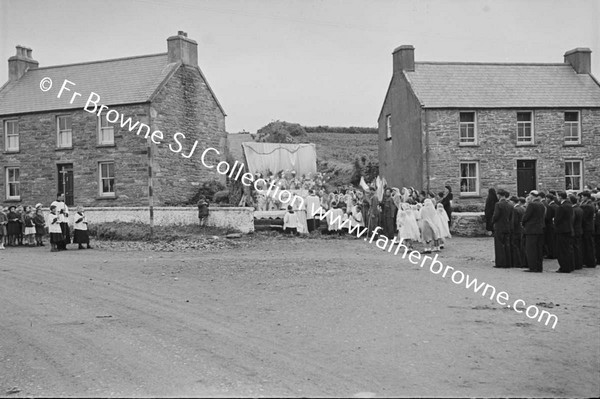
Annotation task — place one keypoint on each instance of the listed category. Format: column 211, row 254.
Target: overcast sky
column 312, row 62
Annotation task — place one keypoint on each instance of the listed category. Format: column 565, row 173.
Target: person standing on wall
column 563, row 226
column 501, row 220
column 533, row 231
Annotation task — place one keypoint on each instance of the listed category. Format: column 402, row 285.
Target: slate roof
column 497, row 85
column 119, row 81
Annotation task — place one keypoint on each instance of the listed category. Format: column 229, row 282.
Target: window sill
column 525, row 144
column 63, row 148
column 105, row 145
column 8, row 152
column 13, row 200
column 573, row 145
column 468, row 144
column 106, row 197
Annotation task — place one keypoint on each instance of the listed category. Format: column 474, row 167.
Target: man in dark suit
column 516, row 232
column 501, row 219
column 549, row 236
column 597, row 231
column 563, row 226
column 577, row 233
column 587, row 239
column 533, row 230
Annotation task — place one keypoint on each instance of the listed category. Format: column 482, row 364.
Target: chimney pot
column 580, row 59
column 403, row 58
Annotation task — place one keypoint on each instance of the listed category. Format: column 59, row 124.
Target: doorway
column 526, row 176
column 65, row 182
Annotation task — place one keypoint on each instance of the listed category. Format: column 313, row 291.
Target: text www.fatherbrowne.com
column 436, row 267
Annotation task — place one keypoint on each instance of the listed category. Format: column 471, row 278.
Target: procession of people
column 409, row 215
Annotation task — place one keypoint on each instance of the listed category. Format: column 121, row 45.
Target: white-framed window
column 11, row 135
column 106, row 131
column 525, row 127
column 467, row 128
column 64, row 133
column 469, row 178
column 573, row 174
column 13, row 183
column 572, row 127
column 106, row 179
column 388, row 127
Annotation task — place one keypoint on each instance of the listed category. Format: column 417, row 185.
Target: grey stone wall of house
column 497, row 152
column 186, row 105
column 401, row 158
column 38, row 159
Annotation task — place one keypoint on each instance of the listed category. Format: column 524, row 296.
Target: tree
column 366, row 168
column 281, row 132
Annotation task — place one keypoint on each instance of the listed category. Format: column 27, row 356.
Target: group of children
column 27, row 226
column 21, row 226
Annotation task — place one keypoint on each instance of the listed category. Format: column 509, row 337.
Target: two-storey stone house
column 50, row 142
column 519, row 126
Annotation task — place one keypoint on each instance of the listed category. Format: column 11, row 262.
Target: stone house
column 518, row 126
column 143, row 146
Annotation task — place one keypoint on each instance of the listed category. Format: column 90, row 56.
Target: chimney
column 580, row 59
column 20, row 63
column 182, row 49
column 404, row 58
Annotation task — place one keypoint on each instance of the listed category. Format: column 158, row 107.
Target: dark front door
column 65, row 182
column 525, row 177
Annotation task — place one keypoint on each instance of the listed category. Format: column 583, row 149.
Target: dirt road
column 289, row 317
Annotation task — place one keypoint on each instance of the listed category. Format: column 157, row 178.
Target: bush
column 281, row 132
column 208, row 189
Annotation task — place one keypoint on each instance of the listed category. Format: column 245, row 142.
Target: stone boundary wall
column 235, row 218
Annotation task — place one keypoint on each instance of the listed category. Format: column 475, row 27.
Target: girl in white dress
column 443, row 224
column 408, row 230
column 430, row 222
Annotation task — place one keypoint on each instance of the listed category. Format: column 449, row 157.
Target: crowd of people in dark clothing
column 552, row 225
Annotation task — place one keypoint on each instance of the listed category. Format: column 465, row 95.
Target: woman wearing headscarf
column 13, row 228
column 388, row 208
column 373, row 210
column 431, row 230
column 490, row 204
column 446, row 201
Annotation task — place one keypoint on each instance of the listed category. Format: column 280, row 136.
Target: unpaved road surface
column 289, row 317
